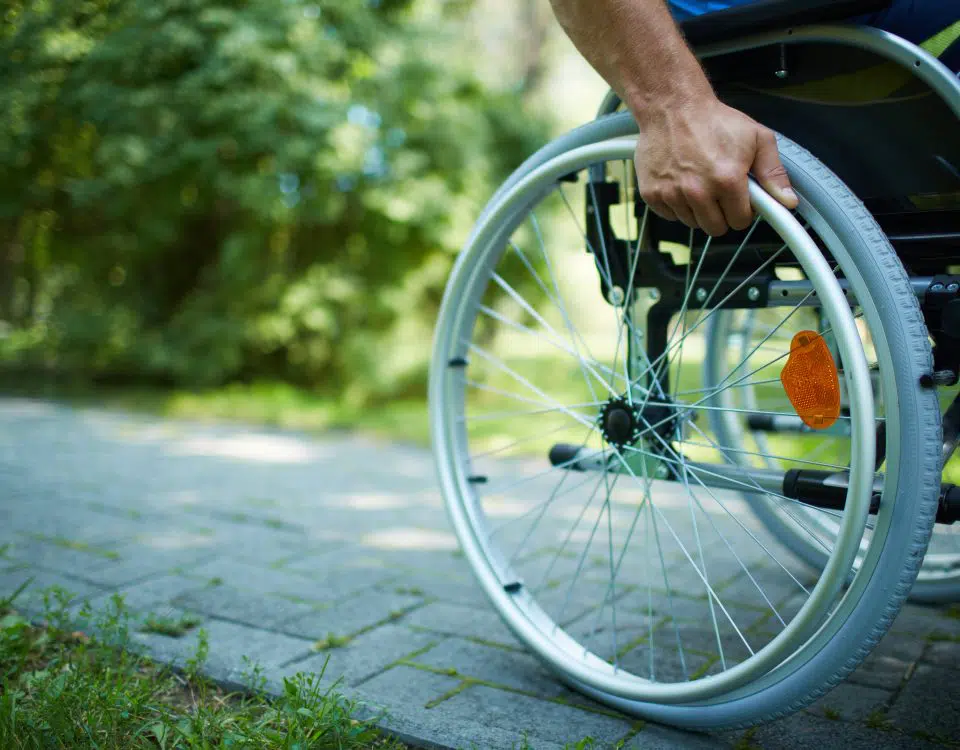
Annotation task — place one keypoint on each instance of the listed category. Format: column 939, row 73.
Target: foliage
column 64, row 689
column 205, row 191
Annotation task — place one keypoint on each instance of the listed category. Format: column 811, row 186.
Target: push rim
column 523, row 615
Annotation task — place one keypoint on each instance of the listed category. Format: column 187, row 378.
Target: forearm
column 636, row 46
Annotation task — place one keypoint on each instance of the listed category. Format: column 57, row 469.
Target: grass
column 63, row 689
column 76, row 546
column 272, row 404
column 172, row 627
column 332, row 640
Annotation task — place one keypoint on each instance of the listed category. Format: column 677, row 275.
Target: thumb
column 769, row 170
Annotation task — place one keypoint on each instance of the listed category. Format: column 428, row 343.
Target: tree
column 200, row 191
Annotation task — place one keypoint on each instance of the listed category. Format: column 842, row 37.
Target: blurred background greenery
column 249, row 207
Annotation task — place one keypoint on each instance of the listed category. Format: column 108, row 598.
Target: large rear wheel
column 612, row 528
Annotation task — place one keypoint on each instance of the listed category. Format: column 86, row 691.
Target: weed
column 172, row 627
column 65, row 689
column 409, row 590
column 331, row 641
column 878, row 720
column 252, row 675
column 746, row 741
column 831, row 713
column 196, row 662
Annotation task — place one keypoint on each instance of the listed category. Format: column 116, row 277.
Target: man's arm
column 694, row 152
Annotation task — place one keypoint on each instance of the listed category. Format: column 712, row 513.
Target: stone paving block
column 596, row 629
column 925, row 620
column 323, row 588
column 850, row 702
column 490, row 664
column 351, row 615
column 945, row 654
column 363, row 657
column 31, row 598
column 929, row 703
column 771, row 591
column 656, row 737
column 542, row 721
column 353, row 554
column 803, row 731
column 255, row 609
column 228, row 643
column 447, row 588
column 403, row 693
column 887, row 665
column 703, row 638
column 154, row 595
column 63, row 556
column 290, row 551
column 136, row 563
column 54, row 517
column 667, row 663
column 311, row 521
column 453, row 619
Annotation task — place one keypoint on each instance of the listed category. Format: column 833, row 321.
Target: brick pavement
column 284, row 544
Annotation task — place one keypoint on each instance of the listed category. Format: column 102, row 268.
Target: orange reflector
column 810, row 380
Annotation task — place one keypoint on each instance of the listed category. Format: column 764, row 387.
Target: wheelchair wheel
column 603, row 517
column 745, row 337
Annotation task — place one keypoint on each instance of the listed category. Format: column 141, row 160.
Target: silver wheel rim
column 520, row 611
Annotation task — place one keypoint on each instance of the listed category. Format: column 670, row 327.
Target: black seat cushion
column 769, row 15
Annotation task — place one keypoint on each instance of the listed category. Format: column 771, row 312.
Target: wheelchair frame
column 939, row 295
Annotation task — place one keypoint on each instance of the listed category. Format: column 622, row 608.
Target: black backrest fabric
column 888, row 136
column 768, row 15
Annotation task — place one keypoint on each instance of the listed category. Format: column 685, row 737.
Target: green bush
column 207, row 191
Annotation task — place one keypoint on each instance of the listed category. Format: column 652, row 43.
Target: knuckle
column 694, row 192
column 768, row 137
column 729, row 178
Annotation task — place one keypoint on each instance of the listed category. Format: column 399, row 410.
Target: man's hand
column 692, row 163
column 694, row 152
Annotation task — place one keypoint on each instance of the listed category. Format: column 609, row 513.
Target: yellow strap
column 871, row 84
column 938, row 43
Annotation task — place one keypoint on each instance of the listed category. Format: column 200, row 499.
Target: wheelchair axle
column 815, row 488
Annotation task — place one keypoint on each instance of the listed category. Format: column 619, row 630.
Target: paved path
column 280, row 541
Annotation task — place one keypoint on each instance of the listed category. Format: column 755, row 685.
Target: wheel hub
column 624, row 423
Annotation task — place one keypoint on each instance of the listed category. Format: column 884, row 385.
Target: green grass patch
column 878, row 720
column 273, row 404
column 172, row 627
column 331, row 641
column 938, row 636
column 63, row 689
column 76, row 546
column 409, row 590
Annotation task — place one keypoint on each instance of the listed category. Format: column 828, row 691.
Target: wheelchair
column 698, row 477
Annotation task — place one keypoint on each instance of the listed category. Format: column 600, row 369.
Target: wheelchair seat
column 769, row 15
